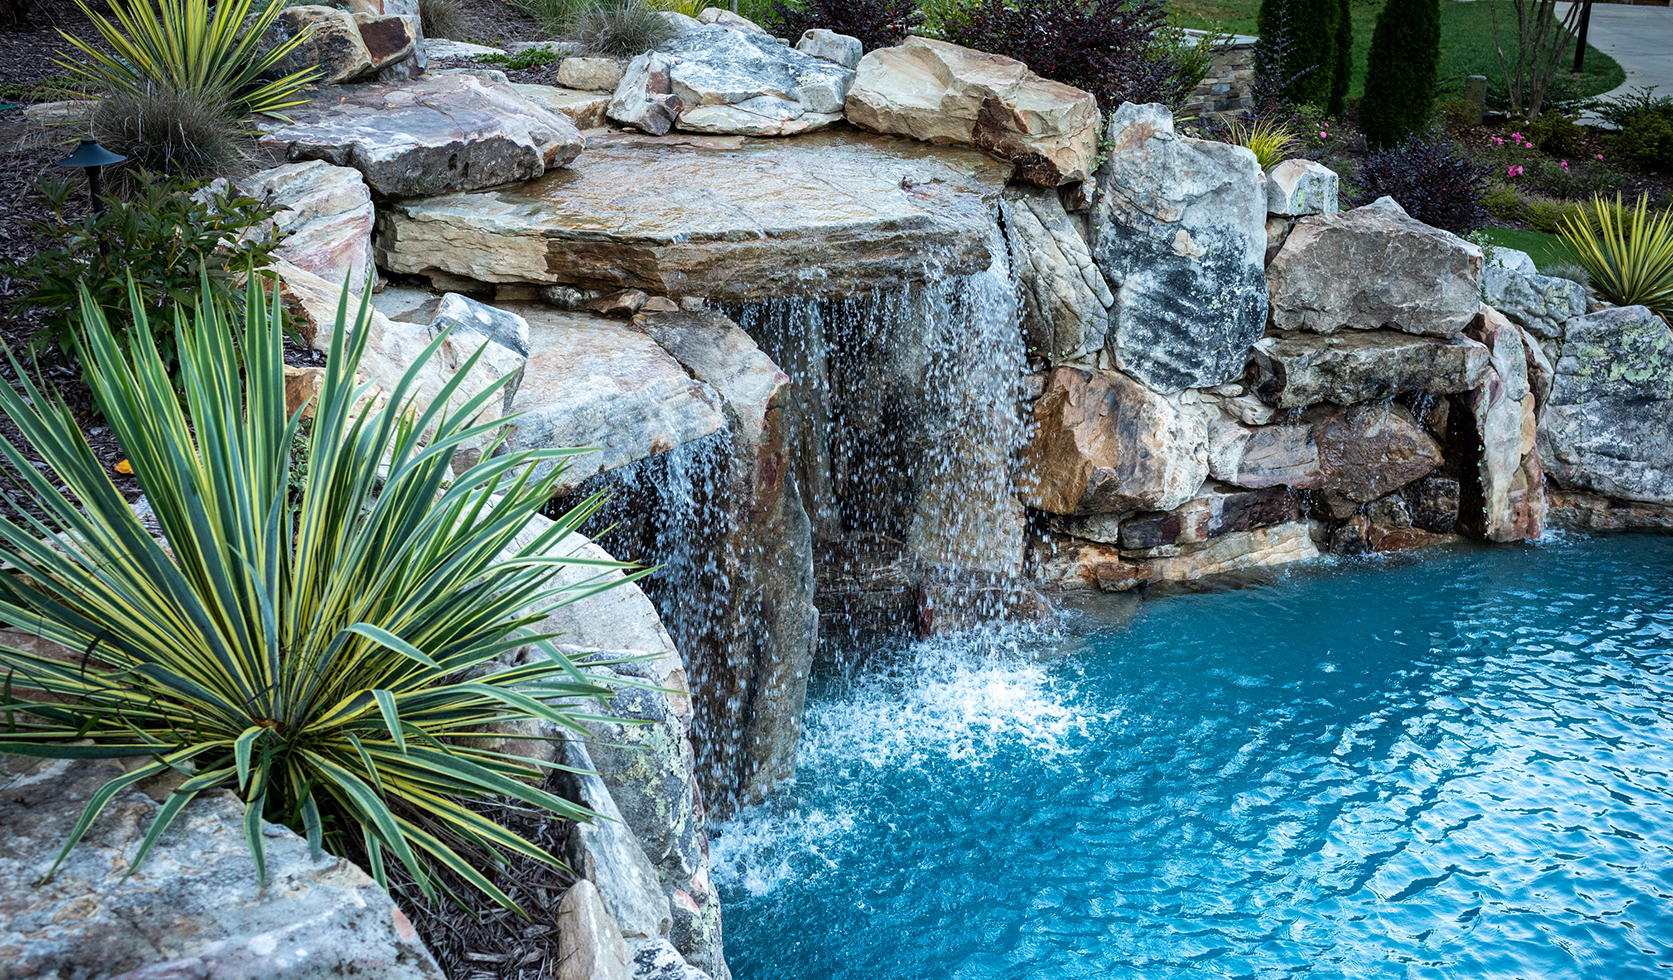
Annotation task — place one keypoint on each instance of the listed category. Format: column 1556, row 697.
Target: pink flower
column 1516, row 136
column 1600, row 156
column 1499, row 140
column 1324, row 134
column 1565, row 164
column 1513, row 171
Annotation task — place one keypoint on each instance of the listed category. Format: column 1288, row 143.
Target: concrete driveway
column 1640, row 38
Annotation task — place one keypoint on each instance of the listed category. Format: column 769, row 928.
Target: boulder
column 939, row 92
column 415, row 61
column 1373, row 267
column 584, row 109
column 657, row 959
column 831, row 46
column 1297, row 187
column 394, row 345
column 1540, row 304
column 591, row 73
column 195, row 907
column 1213, row 512
column 596, row 382
column 645, row 759
column 1065, row 299
column 326, row 221
column 726, row 218
column 475, row 323
column 1502, row 413
column 389, row 39
column 606, row 853
column 1228, row 554
column 679, row 22
column 1099, row 528
column 68, row 112
column 1433, row 503
column 1360, row 452
column 644, row 99
column 741, row 82
column 722, row 17
column 430, row 136
column 332, row 43
column 1179, row 229
column 1608, row 428
column 1068, row 564
column 441, row 48
column 592, row 944
column 1578, row 510
column 1297, row 368
column 1103, row 443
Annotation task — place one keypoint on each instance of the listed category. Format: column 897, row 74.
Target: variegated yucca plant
column 321, row 650
column 181, row 47
column 1627, row 251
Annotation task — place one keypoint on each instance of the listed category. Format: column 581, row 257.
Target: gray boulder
column 1540, row 304
column 606, row 853
column 1065, row 299
column 1297, row 369
column 1609, row 425
column 1297, row 187
column 194, row 909
column 591, row 942
column 1361, row 452
column 430, row 136
column 741, row 82
column 657, row 959
column 1373, row 267
column 1179, row 229
column 474, row 322
column 644, row 98
column 831, row 46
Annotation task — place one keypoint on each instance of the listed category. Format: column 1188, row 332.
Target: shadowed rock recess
column 957, row 365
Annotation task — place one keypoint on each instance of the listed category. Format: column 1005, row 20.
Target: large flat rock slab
column 438, row 134
column 731, row 218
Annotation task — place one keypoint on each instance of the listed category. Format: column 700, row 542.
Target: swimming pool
column 1454, row 765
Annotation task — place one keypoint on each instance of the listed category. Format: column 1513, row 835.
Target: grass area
column 1542, row 248
column 1467, row 46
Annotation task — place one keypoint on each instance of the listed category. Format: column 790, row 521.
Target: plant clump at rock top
column 313, row 643
column 1627, row 252
column 1115, row 49
column 618, row 28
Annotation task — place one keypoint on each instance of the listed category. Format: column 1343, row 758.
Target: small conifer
column 1401, row 71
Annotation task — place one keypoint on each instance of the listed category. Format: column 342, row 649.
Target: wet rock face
column 430, row 136
column 1179, row 230
column 1297, row 369
column 942, row 93
column 724, row 217
column 1374, row 267
column 1503, row 416
column 194, row 908
column 1103, row 443
column 1608, row 428
column 1213, row 512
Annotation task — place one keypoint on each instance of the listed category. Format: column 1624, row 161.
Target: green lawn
column 1542, row 248
column 1467, row 46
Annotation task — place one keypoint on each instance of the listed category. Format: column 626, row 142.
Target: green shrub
column 1342, row 76
column 1617, row 111
column 1456, row 114
column 1580, row 179
column 172, row 237
column 620, row 28
column 1400, row 77
column 1513, row 204
column 318, row 653
column 1627, row 251
column 1301, row 49
column 178, row 46
column 442, row 18
column 1556, row 134
column 527, row 58
column 1646, row 140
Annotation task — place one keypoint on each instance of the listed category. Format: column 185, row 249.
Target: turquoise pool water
column 1457, row 766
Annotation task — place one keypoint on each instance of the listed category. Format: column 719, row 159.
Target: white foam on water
column 960, row 701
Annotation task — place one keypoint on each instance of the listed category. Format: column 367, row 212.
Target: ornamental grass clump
column 1272, row 140
column 1626, row 251
column 317, row 650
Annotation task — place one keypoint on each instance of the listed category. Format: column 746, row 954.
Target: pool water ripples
column 1459, row 766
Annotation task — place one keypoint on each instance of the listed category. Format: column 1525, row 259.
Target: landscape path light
column 90, row 156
